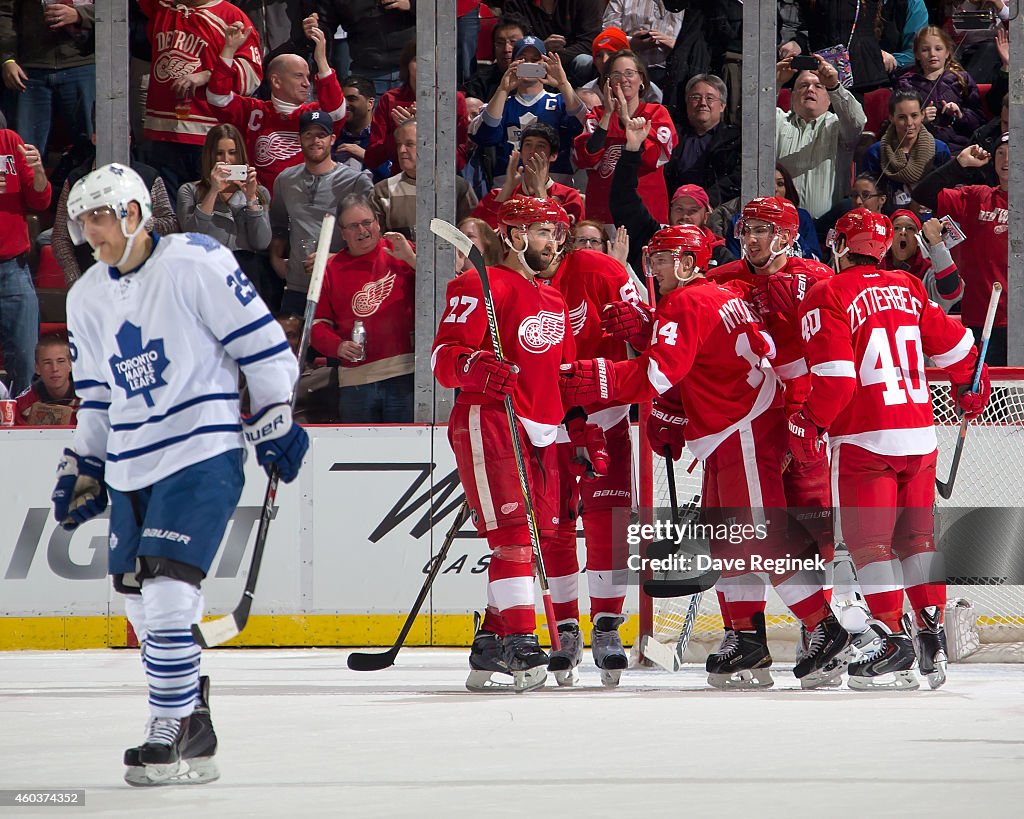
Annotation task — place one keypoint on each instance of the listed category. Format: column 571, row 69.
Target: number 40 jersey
column 156, row 354
column 867, row 332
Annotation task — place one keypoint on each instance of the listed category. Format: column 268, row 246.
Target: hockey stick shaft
column 456, row 237
column 364, row 661
column 221, row 629
column 945, row 489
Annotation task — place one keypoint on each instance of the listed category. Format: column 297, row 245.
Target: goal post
column 991, row 477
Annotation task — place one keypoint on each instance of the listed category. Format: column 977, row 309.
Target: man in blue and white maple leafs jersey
column 159, row 328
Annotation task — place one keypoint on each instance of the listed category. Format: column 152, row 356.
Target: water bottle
column 359, row 337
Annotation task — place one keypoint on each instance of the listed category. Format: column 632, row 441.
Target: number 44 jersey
column 156, row 354
column 867, row 332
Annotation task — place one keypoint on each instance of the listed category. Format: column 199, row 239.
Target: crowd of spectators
column 252, row 120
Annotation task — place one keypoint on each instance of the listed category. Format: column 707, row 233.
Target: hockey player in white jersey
column 159, row 329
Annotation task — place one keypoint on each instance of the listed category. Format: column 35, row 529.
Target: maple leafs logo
column 138, row 370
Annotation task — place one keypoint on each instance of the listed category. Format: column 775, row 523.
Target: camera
column 804, row 62
column 535, row 71
column 237, row 173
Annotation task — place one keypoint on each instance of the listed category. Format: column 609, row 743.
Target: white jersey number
column 879, row 365
column 669, row 331
column 756, row 374
column 468, row 302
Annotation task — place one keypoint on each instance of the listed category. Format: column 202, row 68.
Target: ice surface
column 301, row 735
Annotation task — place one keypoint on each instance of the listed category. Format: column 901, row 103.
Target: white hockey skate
column 606, row 645
column 564, row 663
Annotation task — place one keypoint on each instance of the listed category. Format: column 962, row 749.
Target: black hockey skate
column 826, row 654
column 526, row 660
column 742, row 661
column 188, row 760
column 564, row 663
column 930, row 643
column 606, row 646
column 889, row 666
column 486, row 658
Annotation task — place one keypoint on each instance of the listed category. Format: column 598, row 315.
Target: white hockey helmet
column 112, row 186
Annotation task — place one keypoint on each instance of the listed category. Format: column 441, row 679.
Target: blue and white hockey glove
column 81, row 492
column 279, row 441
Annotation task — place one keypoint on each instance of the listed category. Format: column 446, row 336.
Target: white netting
column 991, row 474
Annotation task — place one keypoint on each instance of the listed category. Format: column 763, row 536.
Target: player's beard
column 537, row 260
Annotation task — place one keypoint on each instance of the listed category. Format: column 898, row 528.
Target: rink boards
column 346, row 554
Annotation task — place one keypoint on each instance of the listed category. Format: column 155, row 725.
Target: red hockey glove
column 665, row 430
column 625, row 321
column 483, row 372
column 780, row 293
column 590, row 459
column 805, row 439
column 972, row 404
column 584, row 382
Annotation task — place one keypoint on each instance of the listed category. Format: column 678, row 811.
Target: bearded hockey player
column 159, row 329
column 533, row 324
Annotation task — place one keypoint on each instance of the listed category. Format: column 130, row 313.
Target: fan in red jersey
column 867, row 333
column 706, row 339
column 588, row 280
column 767, row 229
column 533, row 323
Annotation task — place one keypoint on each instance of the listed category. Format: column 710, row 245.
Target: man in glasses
column 302, row 195
column 372, row 281
column 708, row 153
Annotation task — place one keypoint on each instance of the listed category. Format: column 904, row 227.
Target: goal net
column 989, row 615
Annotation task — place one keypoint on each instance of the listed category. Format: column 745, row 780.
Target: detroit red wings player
column 588, row 281
column 533, row 323
column 867, row 333
column 706, row 339
column 271, row 128
column 767, row 228
column 187, row 37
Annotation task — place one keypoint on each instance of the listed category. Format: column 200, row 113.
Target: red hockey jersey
column 789, row 363
column 588, row 280
column 186, row 40
column 535, row 333
column 380, row 291
column 656, row 152
column 271, row 136
column 867, row 332
column 707, row 339
column 984, row 214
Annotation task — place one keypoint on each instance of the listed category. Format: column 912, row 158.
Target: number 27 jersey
column 867, row 332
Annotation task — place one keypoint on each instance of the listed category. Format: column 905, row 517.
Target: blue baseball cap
column 529, row 42
column 316, row 119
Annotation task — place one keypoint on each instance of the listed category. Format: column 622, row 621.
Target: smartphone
column 237, row 173
column 536, row 71
column 804, row 62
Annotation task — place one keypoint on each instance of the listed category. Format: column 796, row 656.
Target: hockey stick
column 945, row 489
column 652, row 649
column 363, row 661
column 460, row 240
column 221, row 629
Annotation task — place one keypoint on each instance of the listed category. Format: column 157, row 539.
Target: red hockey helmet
column 680, row 239
column 772, row 209
column 865, row 232
column 523, row 211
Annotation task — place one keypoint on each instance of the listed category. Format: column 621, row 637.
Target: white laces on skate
column 815, row 640
column 730, row 643
column 163, row 731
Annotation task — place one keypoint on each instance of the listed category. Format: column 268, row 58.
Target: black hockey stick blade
column 366, row 661
column 682, row 587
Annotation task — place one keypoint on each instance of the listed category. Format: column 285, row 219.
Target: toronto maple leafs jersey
column 156, row 355
column 519, row 112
